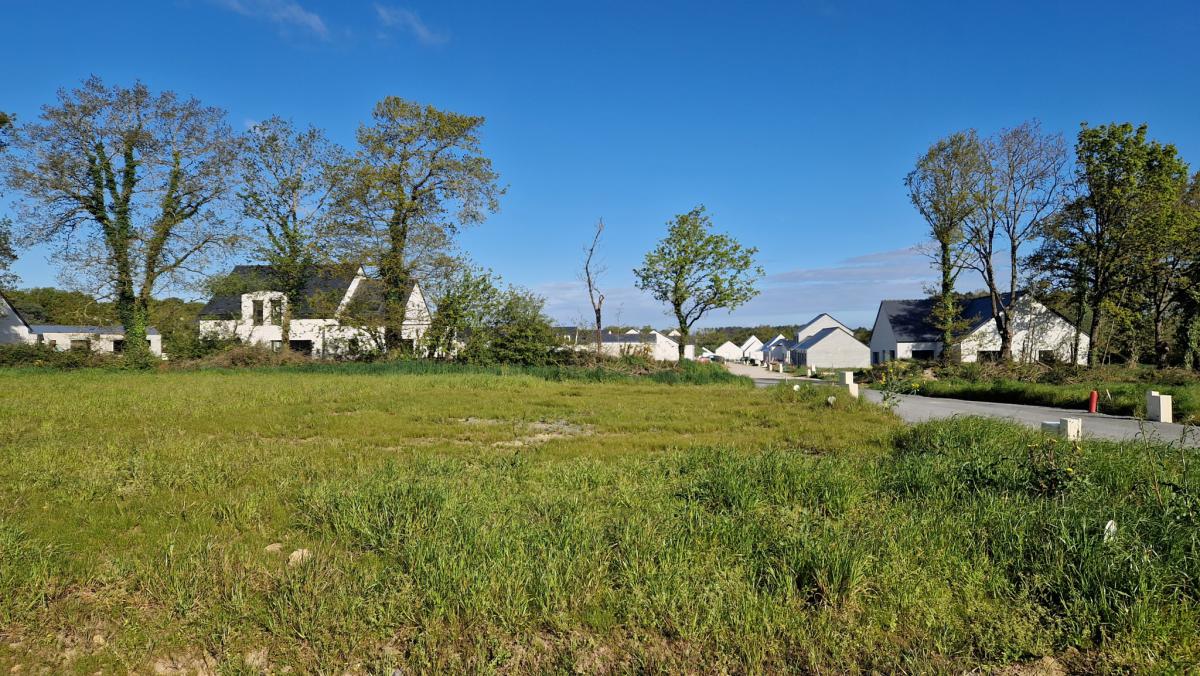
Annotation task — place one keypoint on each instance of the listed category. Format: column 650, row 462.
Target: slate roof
column 104, row 330
column 912, row 320
column 326, row 285
column 14, row 309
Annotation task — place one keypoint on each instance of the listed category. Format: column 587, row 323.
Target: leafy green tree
column 7, row 254
column 419, row 176
column 1123, row 183
column 461, row 309
column 694, row 271
column 289, row 181
column 945, row 187
column 519, row 331
column 131, row 185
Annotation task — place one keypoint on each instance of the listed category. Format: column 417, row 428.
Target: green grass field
column 516, row 522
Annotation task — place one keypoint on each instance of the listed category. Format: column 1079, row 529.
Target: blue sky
column 794, row 123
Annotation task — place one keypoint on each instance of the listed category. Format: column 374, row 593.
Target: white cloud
column 408, row 20
column 284, row 13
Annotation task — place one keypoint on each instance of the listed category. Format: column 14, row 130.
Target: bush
column 249, row 356
column 40, row 356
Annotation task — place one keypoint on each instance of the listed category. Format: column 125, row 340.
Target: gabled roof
column 912, row 320
column 800, row 331
column 101, row 330
column 750, row 341
column 819, row 336
column 16, row 313
column 326, row 284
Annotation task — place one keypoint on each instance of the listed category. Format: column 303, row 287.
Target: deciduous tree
column 1020, row 186
column 592, row 269
column 694, row 271
column 945, row 188
column 290, row 178
column 130, row 184
column 419, row 176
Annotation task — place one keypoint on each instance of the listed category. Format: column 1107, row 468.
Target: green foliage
column 129, row 185
column 694, row 270
column 418, row 177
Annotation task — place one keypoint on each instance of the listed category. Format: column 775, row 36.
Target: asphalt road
column 913, row 409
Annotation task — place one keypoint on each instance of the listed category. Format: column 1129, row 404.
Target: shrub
column 41, row 356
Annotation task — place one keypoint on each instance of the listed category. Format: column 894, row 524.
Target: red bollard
column 1092, row 401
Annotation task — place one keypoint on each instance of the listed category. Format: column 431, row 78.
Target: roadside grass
column 1116, row 398
column 482, row 522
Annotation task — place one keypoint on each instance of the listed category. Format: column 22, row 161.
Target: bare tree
column 592, row 270
column 1021, row 186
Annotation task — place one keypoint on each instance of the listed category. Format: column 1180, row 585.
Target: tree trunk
column 947, row 302
column 396, row 282
column 1093, row 336
column 599, row 332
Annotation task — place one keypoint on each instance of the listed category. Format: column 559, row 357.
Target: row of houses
column 903, row 329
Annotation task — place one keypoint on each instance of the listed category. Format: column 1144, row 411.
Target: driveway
column 914, row 409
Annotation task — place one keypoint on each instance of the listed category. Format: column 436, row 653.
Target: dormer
column 263, row 308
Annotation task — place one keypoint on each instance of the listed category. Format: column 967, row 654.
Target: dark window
column 892, row 355
column 302, row 346
column 276, row 312
column 1048, row 356
column 258, row 312
column 83, row 344
column 922, row 355
column 119, row 346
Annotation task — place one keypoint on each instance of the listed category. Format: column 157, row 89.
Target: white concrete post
column 1070, row 429
column 1158, row 407
column 852, row 389
column 846, row 377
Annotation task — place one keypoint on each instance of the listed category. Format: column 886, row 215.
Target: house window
column 258, row 313
column 81, row 344
column 922, row 355
column 1048, row 356
column 276, row 312
column 118, row 346
column 275, row 345
column 891, row 355
column 301, row 346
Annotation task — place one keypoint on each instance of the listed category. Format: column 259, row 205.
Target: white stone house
column 904, row 330
column 338, row 313
column 111, row 339
column 832, row 347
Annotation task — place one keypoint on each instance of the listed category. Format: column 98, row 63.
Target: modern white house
column 832, row 347
column 752, row 349
column 774, row 350
column 821, row 321
column 651, row 344
column 904, row 330
column 729, row 352
column 111, row 339
column 336, row 315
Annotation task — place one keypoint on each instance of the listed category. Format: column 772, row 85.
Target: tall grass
column 663, row 529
